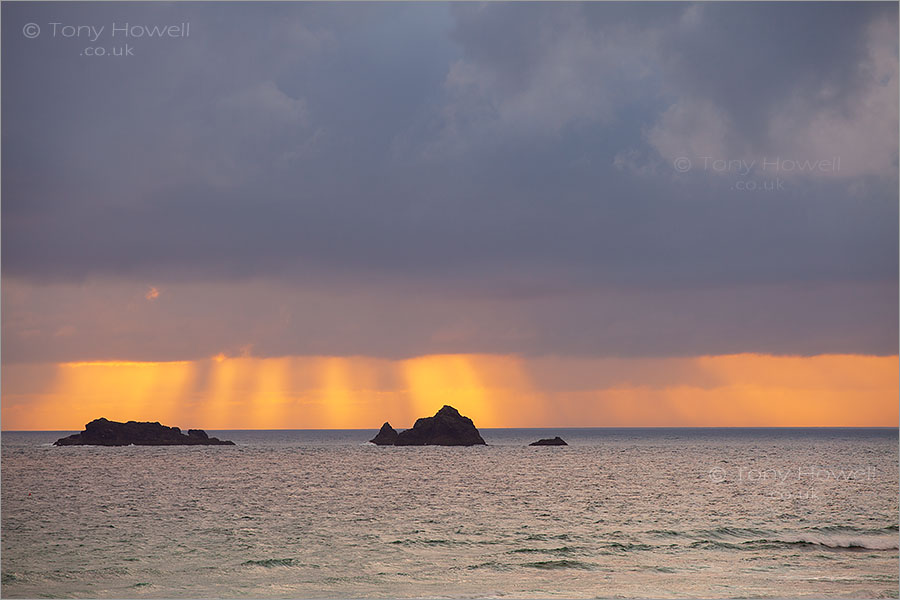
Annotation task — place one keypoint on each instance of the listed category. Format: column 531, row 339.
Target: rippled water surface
column 627, row 512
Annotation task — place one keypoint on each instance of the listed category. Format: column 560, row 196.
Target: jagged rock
column 102, row 432
column 446, row 428
column 387, row 436
column 557, row 441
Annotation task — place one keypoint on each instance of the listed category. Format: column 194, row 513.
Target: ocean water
column 618, row 513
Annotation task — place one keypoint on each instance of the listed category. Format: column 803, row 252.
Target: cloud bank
column 403, row 179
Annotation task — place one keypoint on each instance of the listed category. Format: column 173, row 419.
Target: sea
column 622, row 513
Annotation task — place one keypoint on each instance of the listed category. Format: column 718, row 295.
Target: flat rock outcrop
column 446, row 428
column 557, row 441
column 387, row 436
column 102, row 432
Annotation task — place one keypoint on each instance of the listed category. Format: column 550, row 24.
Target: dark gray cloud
column 751, row 61
column 484, row 159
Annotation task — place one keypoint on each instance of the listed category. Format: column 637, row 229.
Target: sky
column 303, row 215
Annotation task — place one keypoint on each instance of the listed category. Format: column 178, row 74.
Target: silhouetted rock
column 387, row 436
column 557, row 441
column 446, row 428
column 102, row 432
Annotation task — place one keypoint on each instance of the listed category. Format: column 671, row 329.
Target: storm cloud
column 403, row 179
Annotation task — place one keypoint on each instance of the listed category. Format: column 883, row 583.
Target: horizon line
column 570, row 427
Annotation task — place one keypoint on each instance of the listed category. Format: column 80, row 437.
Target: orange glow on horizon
column 494, row 390
column 448, row 379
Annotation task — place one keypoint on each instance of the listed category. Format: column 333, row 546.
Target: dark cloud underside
column 499, row 162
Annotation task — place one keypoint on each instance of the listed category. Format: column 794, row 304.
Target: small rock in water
column 557, row 441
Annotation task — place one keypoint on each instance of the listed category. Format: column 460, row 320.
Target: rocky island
column 102, row 432
column 557, row 441
column 446, row 428
column 387, row 436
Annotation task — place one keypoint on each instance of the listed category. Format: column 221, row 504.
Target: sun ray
column 494, row 390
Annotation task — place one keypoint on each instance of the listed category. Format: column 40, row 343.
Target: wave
column 716, row 544
column 561, row 550
column 558, row 564
column 542, row 537
column 726, row 533
column 625, row 547
column 665, row 533
column 493, row 565
column 830, row 536
column 270, row 562
column 430, row 542
column 850, row 542
column 833, row 541
column 848, row 529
